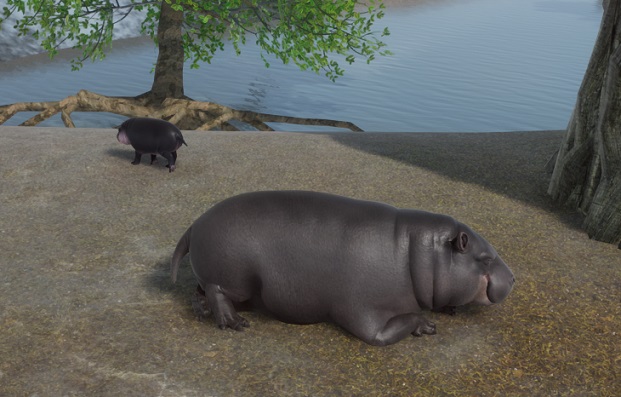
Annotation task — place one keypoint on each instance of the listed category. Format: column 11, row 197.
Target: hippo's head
column 476, row 273
column 451, row 265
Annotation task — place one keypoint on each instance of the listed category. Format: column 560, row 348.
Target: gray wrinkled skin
column 311, row 257
column 151, row 136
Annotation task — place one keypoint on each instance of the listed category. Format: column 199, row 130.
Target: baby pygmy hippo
column 152, row 136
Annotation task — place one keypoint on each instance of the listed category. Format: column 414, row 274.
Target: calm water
column 458, row 65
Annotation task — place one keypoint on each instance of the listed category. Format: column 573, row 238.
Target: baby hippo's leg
column 171, row 160
column 137, row 157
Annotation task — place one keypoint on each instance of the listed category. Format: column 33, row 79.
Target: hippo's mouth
column 488, row 286
column 483, row 296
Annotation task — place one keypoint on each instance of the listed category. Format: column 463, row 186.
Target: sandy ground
column 87, row 306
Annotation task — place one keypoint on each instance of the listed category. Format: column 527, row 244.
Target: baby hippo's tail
column 179, row 139
column 183, row 247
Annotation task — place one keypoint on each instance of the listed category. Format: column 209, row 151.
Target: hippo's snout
column 501, row 281
column 122, row 137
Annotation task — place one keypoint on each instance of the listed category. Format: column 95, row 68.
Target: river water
column 458, row 65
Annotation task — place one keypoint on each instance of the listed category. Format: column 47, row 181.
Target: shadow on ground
column 512, row 165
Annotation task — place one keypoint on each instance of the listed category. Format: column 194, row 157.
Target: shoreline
column 65, row 55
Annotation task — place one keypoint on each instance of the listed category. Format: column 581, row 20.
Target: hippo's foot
column 200, row 305
column 233, row 321
column 450, row 310
column 171, row 168
column 400, row 326
column 223, row 310
column 425, row 327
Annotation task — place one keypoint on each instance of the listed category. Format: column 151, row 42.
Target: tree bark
column 168, row 79
column 587, row 173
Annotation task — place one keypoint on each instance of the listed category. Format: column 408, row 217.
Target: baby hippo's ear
column 460, row 243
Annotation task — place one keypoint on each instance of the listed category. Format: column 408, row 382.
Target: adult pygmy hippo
column 151, row 136
column 313, row 257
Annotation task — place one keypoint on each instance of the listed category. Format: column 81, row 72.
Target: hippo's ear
column 460, row 243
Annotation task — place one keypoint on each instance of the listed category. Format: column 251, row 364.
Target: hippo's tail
column 183, row 247
column 180, row 140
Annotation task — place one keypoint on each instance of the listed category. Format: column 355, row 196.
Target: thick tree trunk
column 587, row 173
column 168, row 79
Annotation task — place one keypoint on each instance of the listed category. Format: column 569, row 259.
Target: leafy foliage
column 305, row 32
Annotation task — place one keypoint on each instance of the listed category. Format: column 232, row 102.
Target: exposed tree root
column 185, row 113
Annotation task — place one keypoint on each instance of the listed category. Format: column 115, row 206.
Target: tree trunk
column 587, row 173
column 168, row 79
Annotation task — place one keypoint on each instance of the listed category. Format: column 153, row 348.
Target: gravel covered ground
column 87, row 306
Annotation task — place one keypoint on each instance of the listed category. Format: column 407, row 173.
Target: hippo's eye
column 487, row 261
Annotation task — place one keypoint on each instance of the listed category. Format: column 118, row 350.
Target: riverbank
column 87, row 306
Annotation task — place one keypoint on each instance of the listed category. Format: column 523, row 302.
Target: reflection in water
column 257, row 92
column 471, row 65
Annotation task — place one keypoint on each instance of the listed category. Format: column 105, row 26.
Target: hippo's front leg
column 153, row 158
column 400, row 326
column 137, row 158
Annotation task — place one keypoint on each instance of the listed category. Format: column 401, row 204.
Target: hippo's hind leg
column 171, row 160
column 137, row 157
column 222, row 308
